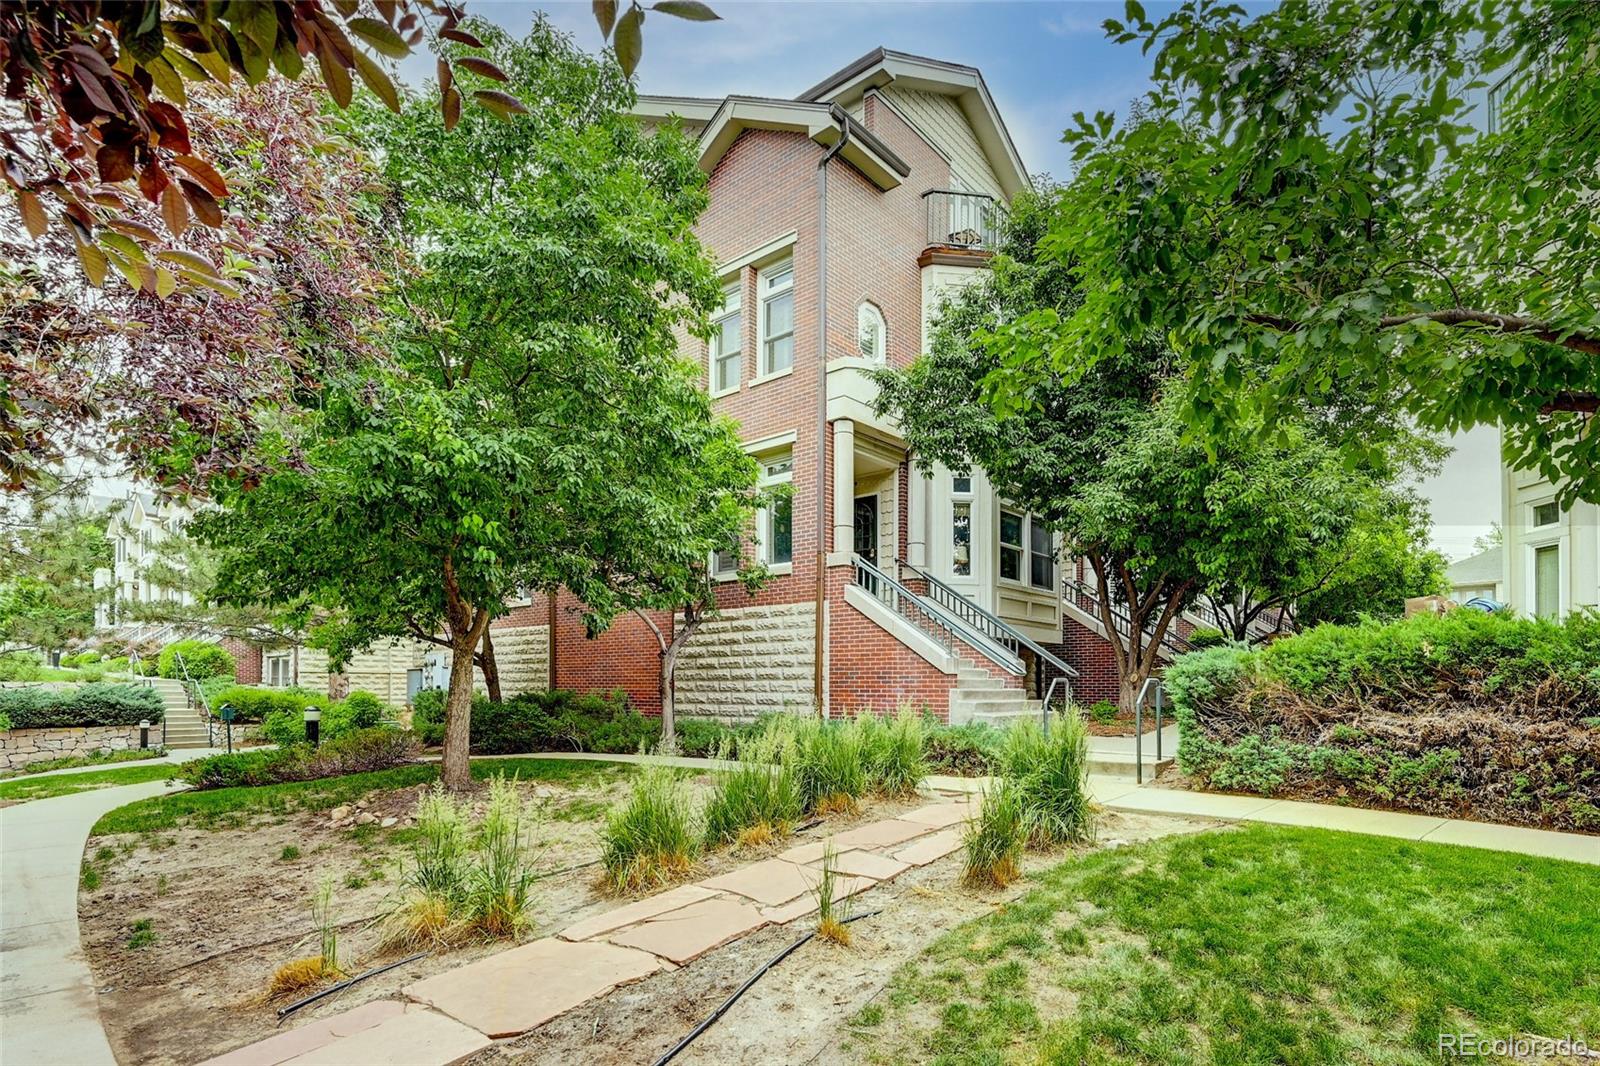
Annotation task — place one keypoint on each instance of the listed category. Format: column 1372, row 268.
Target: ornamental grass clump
column 1051, row 776
column 304, row 972
column 434, row 885
column 499, row 896
column 994, row 840
column 756, row 802
column 832, row 914
column 895, row 752
column 652, row 838
column 829, row 761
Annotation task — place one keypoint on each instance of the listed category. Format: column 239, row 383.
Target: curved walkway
column 48, row 1009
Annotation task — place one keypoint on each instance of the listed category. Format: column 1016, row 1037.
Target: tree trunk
column 692, row 617
column 491, row 670
column 1128, row 686
column 455, row 770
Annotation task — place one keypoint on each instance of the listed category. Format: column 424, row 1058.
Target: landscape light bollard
column 144, row 733
column 227, row 721
column 313, row 725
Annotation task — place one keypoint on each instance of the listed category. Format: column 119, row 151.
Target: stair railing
column 948, row 628
column 986, row 622
column 195, row 694
column 1170, row 639
column 1138, row 725
column 1049, row 694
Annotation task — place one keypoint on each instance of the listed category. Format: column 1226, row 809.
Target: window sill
column 724, row 392
column 780, row 569
column 774, row 376
column 723, row 579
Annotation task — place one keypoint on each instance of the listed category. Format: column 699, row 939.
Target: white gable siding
column 940, row 120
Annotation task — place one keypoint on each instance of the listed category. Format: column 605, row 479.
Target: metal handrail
column 898, row 598
column 1171, row 640
column 997, row 629
column 1044, row 704
column 195, row 693
column 1138, row 726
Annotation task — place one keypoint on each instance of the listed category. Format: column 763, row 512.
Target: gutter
column 823, row 525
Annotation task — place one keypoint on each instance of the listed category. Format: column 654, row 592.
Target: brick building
column 838, row 219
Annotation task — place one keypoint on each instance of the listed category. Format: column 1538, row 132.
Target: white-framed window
column 872, row 333
column 1041, row 555
column 725, row 563
column 1546, row 514
column 1547, row 580
column 961, row 526
column 776, row 287
column 277, row 669
column 1012, row 547
column 776, row 522
column 727, row 341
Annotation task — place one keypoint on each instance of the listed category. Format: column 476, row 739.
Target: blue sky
column 1042, row 61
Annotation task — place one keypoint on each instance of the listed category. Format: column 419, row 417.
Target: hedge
column 87, row 705
column 1463, row 715
column 560, row 720
column 254, row 704
column 358, row 752
column 285, row 723
column 201, row 659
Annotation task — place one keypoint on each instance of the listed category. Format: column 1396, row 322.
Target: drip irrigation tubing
column 284, row 1012
column 742, row 989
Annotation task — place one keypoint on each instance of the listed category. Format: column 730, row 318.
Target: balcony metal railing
column 969, row 220
column 1087, row 598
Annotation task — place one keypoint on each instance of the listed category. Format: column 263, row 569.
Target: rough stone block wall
column 522, row 655
column 312, row 670
column 382, row 670
column 19, row 747
column 748, row 661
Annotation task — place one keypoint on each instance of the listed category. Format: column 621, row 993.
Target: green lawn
column 230, row 807
column 1260, row 945
column 32, row 788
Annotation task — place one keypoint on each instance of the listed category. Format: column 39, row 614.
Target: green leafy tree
column 1385, row 559
column 1312, row 199
column 49, row 551
column 536, row 425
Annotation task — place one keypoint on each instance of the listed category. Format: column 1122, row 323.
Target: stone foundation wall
column 522, row 655
column 748, row 661
column 243, row 733
column 19, row 747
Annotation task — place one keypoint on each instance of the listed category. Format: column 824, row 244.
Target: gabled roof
column 720, row 126
column 882, row 67
column 818, row 114
column 1480, row 569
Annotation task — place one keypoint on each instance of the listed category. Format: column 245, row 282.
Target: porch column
column 917, row 496
column 844, row 485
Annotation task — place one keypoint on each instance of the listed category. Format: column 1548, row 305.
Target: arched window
column 871, row 333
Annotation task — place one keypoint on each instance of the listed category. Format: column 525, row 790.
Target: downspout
column 823, row 525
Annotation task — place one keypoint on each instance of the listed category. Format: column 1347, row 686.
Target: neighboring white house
column 136, row 530
column 1550, row 562
column 1479, row 575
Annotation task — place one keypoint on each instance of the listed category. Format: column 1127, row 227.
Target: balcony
column 963, row 222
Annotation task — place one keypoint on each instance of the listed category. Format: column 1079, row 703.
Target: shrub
column 354, row 753
column 895, row 753
column 1204, row 638
column 20, row 666
column 1102, row 711
column 560, row 720
column 970, row 750
column 427, row 716
column 651, row 840
column 757, row 801
column 993, row 841
column 363, row 710
column 1050, row 774
column 86, row 705
column 1464, row 714
column 829, row 762
column 201, row 659
column 705, row 738
column 253, row 704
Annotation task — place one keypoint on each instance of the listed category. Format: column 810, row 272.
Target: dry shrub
column 298, row 975
column 837, row 803
column 756, row 836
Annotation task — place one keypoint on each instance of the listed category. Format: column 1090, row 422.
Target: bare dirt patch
column 801, row 1010
column 184, row 928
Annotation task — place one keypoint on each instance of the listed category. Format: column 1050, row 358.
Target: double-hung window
column 1041, row 555
column 727, row 342
column 777, row 519
column 279, row 670
column 1012, row 548
column 776, row 287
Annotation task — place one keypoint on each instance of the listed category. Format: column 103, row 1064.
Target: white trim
column 772, row 443
column 760, row 256
column 774, row 376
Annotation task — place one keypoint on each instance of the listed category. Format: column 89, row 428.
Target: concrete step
column 1122, row 763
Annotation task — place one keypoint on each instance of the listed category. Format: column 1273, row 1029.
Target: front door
column 866, row 528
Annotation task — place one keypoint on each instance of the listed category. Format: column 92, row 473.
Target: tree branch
column 1460, row 316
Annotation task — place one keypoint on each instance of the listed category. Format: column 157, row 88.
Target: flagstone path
column 452, row 1015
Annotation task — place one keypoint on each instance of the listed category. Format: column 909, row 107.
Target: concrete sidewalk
column 48, row 1009
column 1119, row 795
